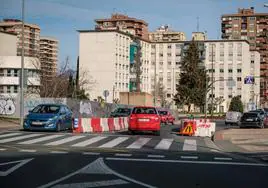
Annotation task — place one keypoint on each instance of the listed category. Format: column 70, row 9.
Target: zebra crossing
column 100, row 141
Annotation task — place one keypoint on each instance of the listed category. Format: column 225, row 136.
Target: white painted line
column 92, row 184
column 19, row 138
column 65, row 140
column 164, row 144
column 223, row 158
column 58, row 152
column 189, row 157
column 123, row 155
column 33, row 141
column 187, row 162
column 214, row 150
column 155, row 156
column 189, row 145
column 114, row 142
column 89, row 141
column 3, row 149
column 13, row 168
column 9, row 134
column 27, row 150
column 90, row 153
column 139, row 143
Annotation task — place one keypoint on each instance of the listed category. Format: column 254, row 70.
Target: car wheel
column 58, row 127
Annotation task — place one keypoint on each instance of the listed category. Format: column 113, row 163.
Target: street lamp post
column 22, row 70
column 212, row 75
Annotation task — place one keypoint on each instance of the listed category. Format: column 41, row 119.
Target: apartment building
column 232, row 59
column 31, row 36
column 48, row 56
column 124, row 23
column 165, row 34
column 251, row 26
column 199, row 36
column 10, row 67
column 106, row 56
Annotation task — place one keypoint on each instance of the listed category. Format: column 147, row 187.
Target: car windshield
column 250, row 115
column 46, row 109
column 122, row 110
column 144, row 111
column 163, row 112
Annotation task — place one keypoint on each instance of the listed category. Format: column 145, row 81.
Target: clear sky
column 61, row 18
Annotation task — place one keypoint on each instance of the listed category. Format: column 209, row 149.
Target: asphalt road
column 120, row 160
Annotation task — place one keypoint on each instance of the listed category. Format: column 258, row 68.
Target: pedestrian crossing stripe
column 188, row 129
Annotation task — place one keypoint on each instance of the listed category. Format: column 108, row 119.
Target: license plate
column 249, row 119
column 37, row 123
column 144, row 120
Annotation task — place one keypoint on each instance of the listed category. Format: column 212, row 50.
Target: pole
column 212, row 89
column 174, row 85
column 22, row 71
column 155, row 79
column 206, row 97
column 113, row 94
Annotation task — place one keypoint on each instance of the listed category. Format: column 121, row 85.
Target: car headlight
column 52, row 119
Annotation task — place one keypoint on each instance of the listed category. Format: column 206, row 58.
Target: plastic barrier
column 98, row 125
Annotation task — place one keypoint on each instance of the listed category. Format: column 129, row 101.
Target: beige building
column 31, row 36
column 124, row 23
column 10, row 67
column 199, row 36
column 48, row 56
column 165, row 34
column 105, row 56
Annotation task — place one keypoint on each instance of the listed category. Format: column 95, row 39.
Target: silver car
column 233, row 118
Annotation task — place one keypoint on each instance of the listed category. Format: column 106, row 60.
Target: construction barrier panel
column 99, row 125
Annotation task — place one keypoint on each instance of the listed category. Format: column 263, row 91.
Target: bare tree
column 160, row 94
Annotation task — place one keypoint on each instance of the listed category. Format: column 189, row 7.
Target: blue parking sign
column 249, row 80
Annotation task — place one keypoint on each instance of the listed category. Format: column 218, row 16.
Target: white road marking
column 92, row 184
column 223, row 158
column 12, row 169
column 164, row 144
column 33, row 141
column 89, row 141
column 214, row 150
column 58, row 152
column 90, row 153
column 3, row 149
column 65, row 140
column 9, row 134
column 18, row 138
column 155, row 156
column 187, row 162
column 189, row 145
column 123, row 155
column 97, row 165
column 114, row 142
column 27, row 150
column 189, row 157
column 139, row 143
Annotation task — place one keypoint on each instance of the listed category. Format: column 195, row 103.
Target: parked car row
column 255, row 118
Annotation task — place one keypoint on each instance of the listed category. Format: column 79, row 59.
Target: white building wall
column 8, row 44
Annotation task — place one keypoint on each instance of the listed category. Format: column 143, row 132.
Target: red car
column 144, row 118
column 166, row 117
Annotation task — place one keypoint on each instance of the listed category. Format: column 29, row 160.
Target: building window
column 221, row 70
column 252, row 61
column 230, row 96
column 160, row 55
column 15, row 89
column 230, row 70
column 239, row 79
column 168, row 95
column 153, row 46
column 239, row 70
column 177, row 54
column 8, row 89
column 9, row 72
column 2, row 89
column 16, row 72
column 169, row 46
column 2, row 72
column 178, row 46
column 161, row 63
column 126, row 85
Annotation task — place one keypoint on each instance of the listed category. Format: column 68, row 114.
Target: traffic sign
column 249, row 80
column 188, row 129
column 105, row 93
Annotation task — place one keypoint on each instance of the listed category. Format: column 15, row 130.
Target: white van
column 233, row 118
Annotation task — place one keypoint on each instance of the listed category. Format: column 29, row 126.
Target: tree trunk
column 189, row 108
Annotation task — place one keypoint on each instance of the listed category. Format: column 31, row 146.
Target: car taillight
column 131, row 117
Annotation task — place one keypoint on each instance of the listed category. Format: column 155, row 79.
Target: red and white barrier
column 98, row 125
column 201, row 127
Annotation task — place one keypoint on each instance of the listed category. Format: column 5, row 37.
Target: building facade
column 105, row 56
column 199, row 36
column 31, row 36
column 10, row 67
column 165, row 34
column 48, row 57
column 124, row 23
column 251, row 26
column 232, row 60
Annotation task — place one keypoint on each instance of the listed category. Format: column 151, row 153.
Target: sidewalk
column 9, row 124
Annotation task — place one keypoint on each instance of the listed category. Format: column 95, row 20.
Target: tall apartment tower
column 251, row 26
column 48, row 56
column 31, row 36
column 124, row 23
column 165, row 34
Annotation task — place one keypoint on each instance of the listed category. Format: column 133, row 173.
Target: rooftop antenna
column 197, row 24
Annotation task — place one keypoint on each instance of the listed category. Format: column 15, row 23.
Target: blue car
column 54, row 117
